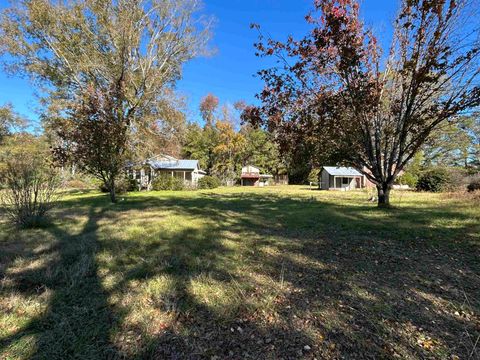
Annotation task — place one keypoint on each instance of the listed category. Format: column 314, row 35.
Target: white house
column 144, row 172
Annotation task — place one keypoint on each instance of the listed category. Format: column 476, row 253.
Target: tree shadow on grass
column 78, row 319
column 405, row 285
column 340, row 281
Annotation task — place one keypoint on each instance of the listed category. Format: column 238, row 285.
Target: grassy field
column 267, row 273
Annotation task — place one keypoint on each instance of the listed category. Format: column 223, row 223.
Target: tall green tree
column 196, row 145
column 260, row 150
column 476, row 142
column 132, row 50
column 452, row 144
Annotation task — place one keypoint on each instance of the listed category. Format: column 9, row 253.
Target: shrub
column 474, row 185
column 131, row 184
column 313, row 177
column 208, row 182
column 435, row 180
column 458, row 179
column 30, row 189
column 167, row 182
column 409, row 179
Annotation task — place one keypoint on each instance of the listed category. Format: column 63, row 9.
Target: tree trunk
column 113, row 195
column 384, row 195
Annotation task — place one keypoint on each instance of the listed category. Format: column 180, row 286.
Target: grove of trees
column 223, row 146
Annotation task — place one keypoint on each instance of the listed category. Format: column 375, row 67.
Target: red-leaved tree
column 335, row 90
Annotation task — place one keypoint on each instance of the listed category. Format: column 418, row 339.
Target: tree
column 452, row 144
column 476, row 141
column 222, row 149
column 164, row 136
column 208, row 107
column 331, row 87
column 76, row 49
column 196, row 145
column 228, row 152
column 98, row 139
column 9, row 120
column 260, row 150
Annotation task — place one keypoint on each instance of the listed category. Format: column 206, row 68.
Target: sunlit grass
column 269, row 270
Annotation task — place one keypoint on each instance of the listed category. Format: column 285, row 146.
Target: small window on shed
column 345, row 181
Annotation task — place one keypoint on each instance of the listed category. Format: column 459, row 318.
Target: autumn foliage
column 337, row 91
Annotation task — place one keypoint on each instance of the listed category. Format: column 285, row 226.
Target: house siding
column 325, row 180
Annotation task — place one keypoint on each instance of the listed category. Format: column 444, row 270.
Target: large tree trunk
column 384, row 194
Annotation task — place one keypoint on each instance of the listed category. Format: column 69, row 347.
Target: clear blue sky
column 230, row 73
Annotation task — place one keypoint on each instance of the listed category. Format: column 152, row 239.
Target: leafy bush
column 409, row 179
column 31, row 186
column 208, row 182
column 167, row 182
column 313, row 177
column 435, row 180
column 131, row 184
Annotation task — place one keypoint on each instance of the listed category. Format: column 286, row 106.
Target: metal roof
column 341, row 171
column 174, row 164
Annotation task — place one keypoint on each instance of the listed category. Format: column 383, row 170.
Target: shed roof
column 174, row 165
column 341, row 171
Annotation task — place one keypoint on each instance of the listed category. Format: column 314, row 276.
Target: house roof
column 174, row 164
column 341, row 171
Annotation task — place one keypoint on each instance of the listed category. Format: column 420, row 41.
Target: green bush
column 167, row 182
column 313, row 177
column 208, row 182
column 435, row 180
column 409, row 179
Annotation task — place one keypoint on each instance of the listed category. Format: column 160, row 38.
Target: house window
column 345, row 181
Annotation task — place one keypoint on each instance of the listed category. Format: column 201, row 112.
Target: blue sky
column 230, row 73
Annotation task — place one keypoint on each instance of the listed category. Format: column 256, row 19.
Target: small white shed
column 341, row 178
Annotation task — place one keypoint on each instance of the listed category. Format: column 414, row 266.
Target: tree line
column 106, row 74
column 223, row 145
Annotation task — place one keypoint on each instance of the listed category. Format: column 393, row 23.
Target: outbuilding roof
column 341, row 171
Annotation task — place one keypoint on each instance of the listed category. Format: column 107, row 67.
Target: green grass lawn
column 243, row 273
